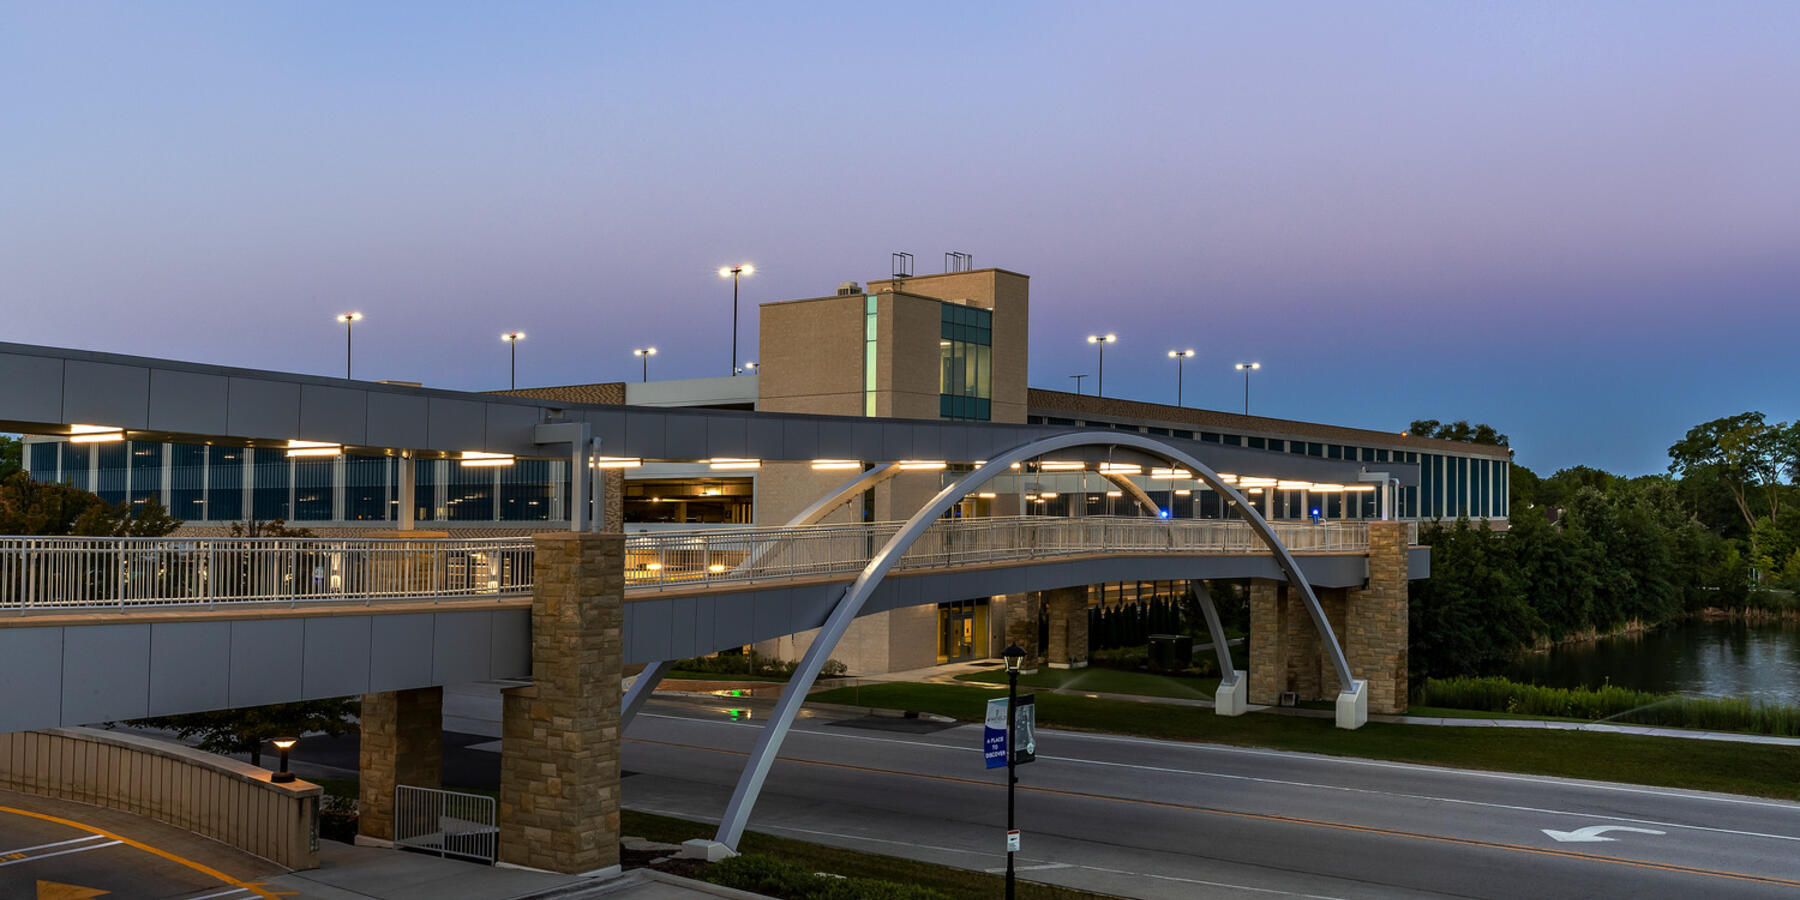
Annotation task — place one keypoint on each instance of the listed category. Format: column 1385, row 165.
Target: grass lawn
column 960, row 884
column 1730, row 767
column 1106, row 681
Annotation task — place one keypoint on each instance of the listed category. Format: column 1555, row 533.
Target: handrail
column 99, row 573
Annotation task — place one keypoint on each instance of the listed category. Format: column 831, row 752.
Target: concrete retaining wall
column 221, row 798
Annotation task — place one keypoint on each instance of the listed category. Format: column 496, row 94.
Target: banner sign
column 993, row 738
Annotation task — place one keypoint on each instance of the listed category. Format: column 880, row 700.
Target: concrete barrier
column 221, row 798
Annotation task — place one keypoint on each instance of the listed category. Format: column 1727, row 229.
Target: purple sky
column 1578, row 222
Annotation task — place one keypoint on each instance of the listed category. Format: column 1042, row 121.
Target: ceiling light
column 922, row 465
column 617, row 462
column 825, row 465
column 1120, row 469
column 1170, row 474
column 94, row 434
column 1293, row 485
column 727, row 462
column 987, row 495
column 313, row 448
column 1061, row 466
column 476, row 458
column 1183, row 492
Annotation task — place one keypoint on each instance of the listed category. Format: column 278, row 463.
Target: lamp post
column 349, row 319
column 513, row 338
column 1078, row 382
column 1015, row 657
column 1180, row 357
column 284, row 744
column 1101, row 340
column 645, row 353
column 733, row 272
column 1247, row 368
column 749, row 366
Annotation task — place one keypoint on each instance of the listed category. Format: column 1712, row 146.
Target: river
column 1702, row 659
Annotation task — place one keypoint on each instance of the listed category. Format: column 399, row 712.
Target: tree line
column 1590, row 552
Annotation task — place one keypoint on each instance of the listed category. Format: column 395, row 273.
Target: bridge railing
column 99, row 573
column 74, row 572
column 698, row 558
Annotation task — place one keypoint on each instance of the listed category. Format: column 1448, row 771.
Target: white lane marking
column 14, row 862
column 1593, row 833
column 875, row 840
column 6, row 853
column 999, row 870
column 1331, row 787
column 225, row 893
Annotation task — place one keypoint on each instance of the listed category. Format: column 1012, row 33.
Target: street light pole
column 645, row 353
column 1078, row 382
column 349, row 319
column 513, row 338
column 1180, row 357
column 1247, row 368
column 1015, row 657
column 1100, row 377
column 733, row 272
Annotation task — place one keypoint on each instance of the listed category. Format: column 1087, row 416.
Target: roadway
column 1155, row 820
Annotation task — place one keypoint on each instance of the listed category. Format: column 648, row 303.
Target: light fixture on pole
column 748, row 366
column 349, row 319
column 645, row 353
column 1101, row 340
column 1180, row 357
column 284, row 744
column 513, row 338
column 733, row 273
column 1015, row 658
column 1247, row 368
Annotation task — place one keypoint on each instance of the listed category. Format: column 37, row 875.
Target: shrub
column 736, row 664
column 1614, row 703
column 766, row 875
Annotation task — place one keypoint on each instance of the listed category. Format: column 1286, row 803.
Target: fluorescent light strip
column 826, row 465
column 1170, row 474
column 617, row 462
column 1120, row 469
column 1062, row 466
column 987, row 495
column 1294, row 485
column 95, row 434
column 724, row 462
column 476, row 458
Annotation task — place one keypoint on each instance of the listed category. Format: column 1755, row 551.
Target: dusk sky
column 1577, row 222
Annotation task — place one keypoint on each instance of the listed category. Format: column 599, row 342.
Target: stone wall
column 1377, row 632
column 1068, row 627
column 402, row 743
column 1022, row 625
column 559, row 764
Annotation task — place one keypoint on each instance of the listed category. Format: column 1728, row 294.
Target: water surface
column 1702, row 659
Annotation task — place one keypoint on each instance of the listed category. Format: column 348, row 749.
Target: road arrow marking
column 1594, row 833
column 56, row 890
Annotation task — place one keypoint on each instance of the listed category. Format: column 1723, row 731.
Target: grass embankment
column 1106, row 681
column 1612, row 703
column 1736, row 768
column 954, row 883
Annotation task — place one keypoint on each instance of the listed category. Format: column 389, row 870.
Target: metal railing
column 100, row 573
column 447, row 823
column 58, row 572
column 695, row 558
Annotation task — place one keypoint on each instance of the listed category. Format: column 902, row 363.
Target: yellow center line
column 252, row 887
column 1271, row 817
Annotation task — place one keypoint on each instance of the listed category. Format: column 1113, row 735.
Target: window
column 313, row 488
column 965, row 357
column 366, row 487
column 869, row 315
column 525, row 491
column 269, row 496
column 43, row 461
column 187, row 481
column 1257, row 443
column 224, row 484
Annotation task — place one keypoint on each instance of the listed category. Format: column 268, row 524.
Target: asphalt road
column 1154, row 819
column 56, row 850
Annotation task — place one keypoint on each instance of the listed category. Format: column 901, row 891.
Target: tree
column 1746, row 454
column 29, row 507
column 12, row 456
column 1459, row 430
column 271, row 528
column 229, row 731
column 1471, row 615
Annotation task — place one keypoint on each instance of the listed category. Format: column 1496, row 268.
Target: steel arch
column 768, row 743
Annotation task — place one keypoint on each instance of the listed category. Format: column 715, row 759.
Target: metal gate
column 447, row 823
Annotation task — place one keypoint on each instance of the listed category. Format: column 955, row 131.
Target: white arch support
column 1352, row 703
column 647, row 680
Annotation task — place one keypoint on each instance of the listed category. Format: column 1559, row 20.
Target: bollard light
column 284, row 744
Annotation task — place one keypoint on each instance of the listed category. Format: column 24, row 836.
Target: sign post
column 1010, row 738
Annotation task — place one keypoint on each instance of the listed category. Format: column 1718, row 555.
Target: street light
column 749, row 366
column 284, row 744
column 1100, row 377
column 1078, row 382
column 733, row 272
column 349, row 319
column 1180, row 357
column 1247, row 368
column 513, row 338
column 1015, row 657
column 645, row 353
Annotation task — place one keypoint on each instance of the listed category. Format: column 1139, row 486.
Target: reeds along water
column 1613, row 704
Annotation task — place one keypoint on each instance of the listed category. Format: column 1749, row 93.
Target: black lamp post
column 734, row 273
column 1180, row 357
column 1101, row 340
column 284, row 744
column 349, row 319
column 1015, row 657
column 1247, row 368
column 513, row 338
column 644, row 353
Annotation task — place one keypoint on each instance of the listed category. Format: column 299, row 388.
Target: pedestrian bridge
column 100, row 629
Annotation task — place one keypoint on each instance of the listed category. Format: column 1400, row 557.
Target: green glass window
column 965, row 362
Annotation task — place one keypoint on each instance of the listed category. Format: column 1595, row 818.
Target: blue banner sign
column 993, row 740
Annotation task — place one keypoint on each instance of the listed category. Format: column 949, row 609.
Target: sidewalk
column 946, row 674
column 366, row 873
